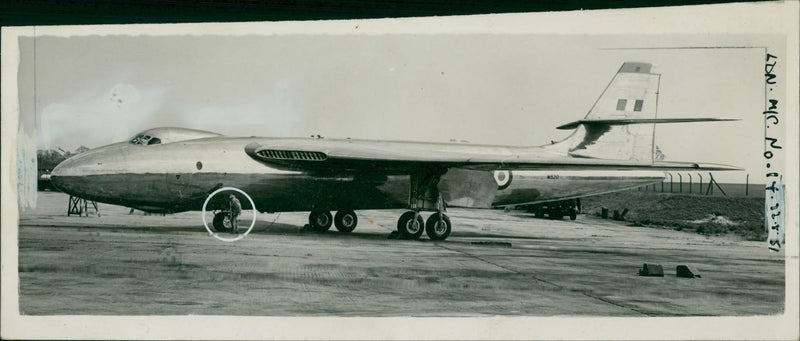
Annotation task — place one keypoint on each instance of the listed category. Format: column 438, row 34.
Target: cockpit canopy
column 168, row 135
column 145, row 140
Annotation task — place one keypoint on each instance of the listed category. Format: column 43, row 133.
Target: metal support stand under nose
column 79, row 206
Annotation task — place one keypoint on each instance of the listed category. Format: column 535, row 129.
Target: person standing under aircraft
column 236, row 209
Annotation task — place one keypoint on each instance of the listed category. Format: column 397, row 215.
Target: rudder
column 632, row 94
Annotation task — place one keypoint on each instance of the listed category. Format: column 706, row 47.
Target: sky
column 510, row 89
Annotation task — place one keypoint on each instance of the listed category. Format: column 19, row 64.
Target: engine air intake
column 291, row 155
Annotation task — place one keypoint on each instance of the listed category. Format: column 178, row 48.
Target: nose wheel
column 222, row 221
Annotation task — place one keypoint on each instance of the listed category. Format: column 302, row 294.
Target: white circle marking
column 252, row 223
column 502, row 177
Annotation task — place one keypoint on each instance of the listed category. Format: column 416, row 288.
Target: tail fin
column 621, row 124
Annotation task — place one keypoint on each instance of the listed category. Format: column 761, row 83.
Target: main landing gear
column 321, row 221
column 424, row 195
column 345, row 221
column 437, row 227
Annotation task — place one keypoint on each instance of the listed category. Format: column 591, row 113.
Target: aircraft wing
column 389, row 157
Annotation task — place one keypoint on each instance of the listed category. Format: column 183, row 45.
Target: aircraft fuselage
column 178, row 176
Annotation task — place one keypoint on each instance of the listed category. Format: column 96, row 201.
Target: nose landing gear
column 222, row 221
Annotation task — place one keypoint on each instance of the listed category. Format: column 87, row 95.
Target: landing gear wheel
column 573, row 214
column 345, row 221
column 408, row 228
column 320, row 221
column 437, row 230
column 222, row 222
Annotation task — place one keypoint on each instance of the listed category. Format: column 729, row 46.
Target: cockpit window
column 145, row 140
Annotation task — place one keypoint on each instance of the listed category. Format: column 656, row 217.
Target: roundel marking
column 503, row 178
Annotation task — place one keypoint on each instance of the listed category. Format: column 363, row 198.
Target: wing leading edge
column 345, row 156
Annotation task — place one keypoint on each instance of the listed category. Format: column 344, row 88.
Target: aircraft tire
column 345, row 221
column 407, row 228
column 434, row 231
column 573, row 214
column 219, row 222
column 320, row 221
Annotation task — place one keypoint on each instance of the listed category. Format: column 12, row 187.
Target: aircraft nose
column 65, row 173
column 56, row 175
column 72, row 175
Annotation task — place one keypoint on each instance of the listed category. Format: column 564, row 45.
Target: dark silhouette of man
column 236, row 210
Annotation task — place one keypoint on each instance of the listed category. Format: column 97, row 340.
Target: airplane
column 170, row 170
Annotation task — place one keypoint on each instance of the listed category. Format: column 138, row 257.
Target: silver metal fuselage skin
column 179, row 176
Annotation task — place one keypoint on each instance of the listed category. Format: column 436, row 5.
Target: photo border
column 758, row 18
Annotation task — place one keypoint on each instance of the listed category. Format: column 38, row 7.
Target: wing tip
column 697, row 166
column 570, row 125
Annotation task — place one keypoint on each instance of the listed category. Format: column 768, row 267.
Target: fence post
column 670, row 182
column 747, row 185
column 701, row 182
column 680, row 183
column 690, row 183
column 710, row 189
column 716, row 184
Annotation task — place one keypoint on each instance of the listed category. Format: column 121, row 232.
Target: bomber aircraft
column 174, row 169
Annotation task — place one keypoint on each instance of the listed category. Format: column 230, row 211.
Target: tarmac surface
column 494, row 263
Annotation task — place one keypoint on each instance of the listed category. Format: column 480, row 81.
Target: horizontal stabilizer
column 624, row 121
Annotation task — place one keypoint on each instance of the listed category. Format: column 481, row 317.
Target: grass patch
column 707, row 215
